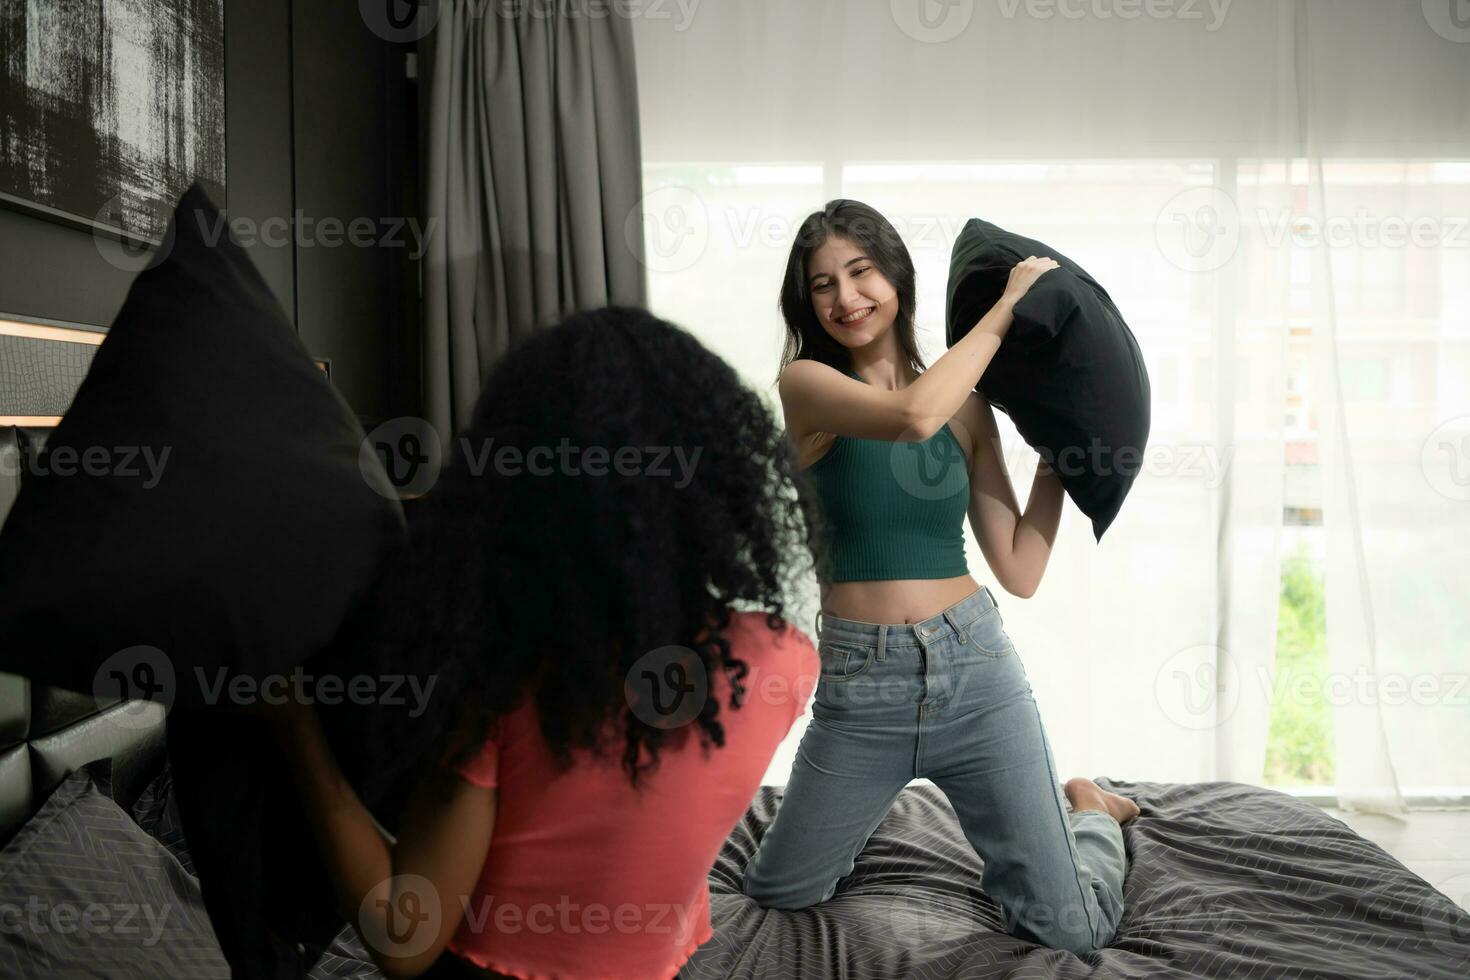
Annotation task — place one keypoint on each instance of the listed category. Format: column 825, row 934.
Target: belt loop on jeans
column 959, row 630
column 817, row 625
column 882, row 639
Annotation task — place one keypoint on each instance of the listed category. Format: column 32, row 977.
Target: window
column 1403, row 314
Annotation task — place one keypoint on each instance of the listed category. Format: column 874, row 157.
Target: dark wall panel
column 258, row 117
column 320, row 122
column 54, row 272
column 49, row 271
column 350, row 119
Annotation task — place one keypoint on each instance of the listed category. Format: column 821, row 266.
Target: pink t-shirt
column 586, row 879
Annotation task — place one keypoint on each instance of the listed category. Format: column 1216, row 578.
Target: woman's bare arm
column 817, row 398
column 1017, row 545
column 391, row 892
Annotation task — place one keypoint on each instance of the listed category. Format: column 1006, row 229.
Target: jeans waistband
column 958, row 618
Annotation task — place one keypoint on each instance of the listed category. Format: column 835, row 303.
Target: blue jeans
column 945, row 699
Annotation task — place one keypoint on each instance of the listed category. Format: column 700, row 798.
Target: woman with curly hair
column 918, row 677
column 596, row 585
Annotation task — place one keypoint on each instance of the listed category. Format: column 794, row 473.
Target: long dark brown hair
column 870, row 231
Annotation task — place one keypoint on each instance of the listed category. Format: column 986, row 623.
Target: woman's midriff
column 895, row 600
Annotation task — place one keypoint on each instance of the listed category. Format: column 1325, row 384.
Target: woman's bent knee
column 1077, row 940
column 1070, row 926
column 784, row 895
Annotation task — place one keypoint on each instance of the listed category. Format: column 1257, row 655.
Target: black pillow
column 1068, row 373
column 157, row 812
column 109, row 899
column 204, row 495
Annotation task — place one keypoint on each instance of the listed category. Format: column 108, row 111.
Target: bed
column 1224, row 880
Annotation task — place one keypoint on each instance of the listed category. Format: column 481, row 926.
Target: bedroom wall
column 319, row 120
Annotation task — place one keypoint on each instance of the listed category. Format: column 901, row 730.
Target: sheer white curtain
column 1176, row 151
column 1388, row 216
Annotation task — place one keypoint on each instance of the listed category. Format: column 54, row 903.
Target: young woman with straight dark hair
column 918, row 677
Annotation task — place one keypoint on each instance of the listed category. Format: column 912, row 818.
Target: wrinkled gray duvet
column 1224, row 880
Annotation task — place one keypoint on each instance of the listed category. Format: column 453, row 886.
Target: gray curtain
column 534, row 169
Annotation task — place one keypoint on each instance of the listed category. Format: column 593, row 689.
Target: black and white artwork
column 109, row 109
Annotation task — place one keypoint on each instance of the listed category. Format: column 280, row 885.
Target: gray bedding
column 1224, row 880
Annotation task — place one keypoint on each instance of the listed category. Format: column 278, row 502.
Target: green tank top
column 894, row 510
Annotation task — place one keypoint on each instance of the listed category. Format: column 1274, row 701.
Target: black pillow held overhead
column 1068, row 373
column 202, row 495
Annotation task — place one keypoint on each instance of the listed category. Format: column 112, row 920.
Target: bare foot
column 1084, row 794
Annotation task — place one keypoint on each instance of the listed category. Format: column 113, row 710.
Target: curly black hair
column 549, row 581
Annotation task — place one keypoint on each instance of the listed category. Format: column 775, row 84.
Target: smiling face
column 852, row 300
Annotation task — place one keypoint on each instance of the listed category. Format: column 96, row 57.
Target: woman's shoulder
column 783, row 665
column 752, row 634
column 798, row 378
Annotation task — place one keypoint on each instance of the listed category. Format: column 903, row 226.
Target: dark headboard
column 45, row 732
